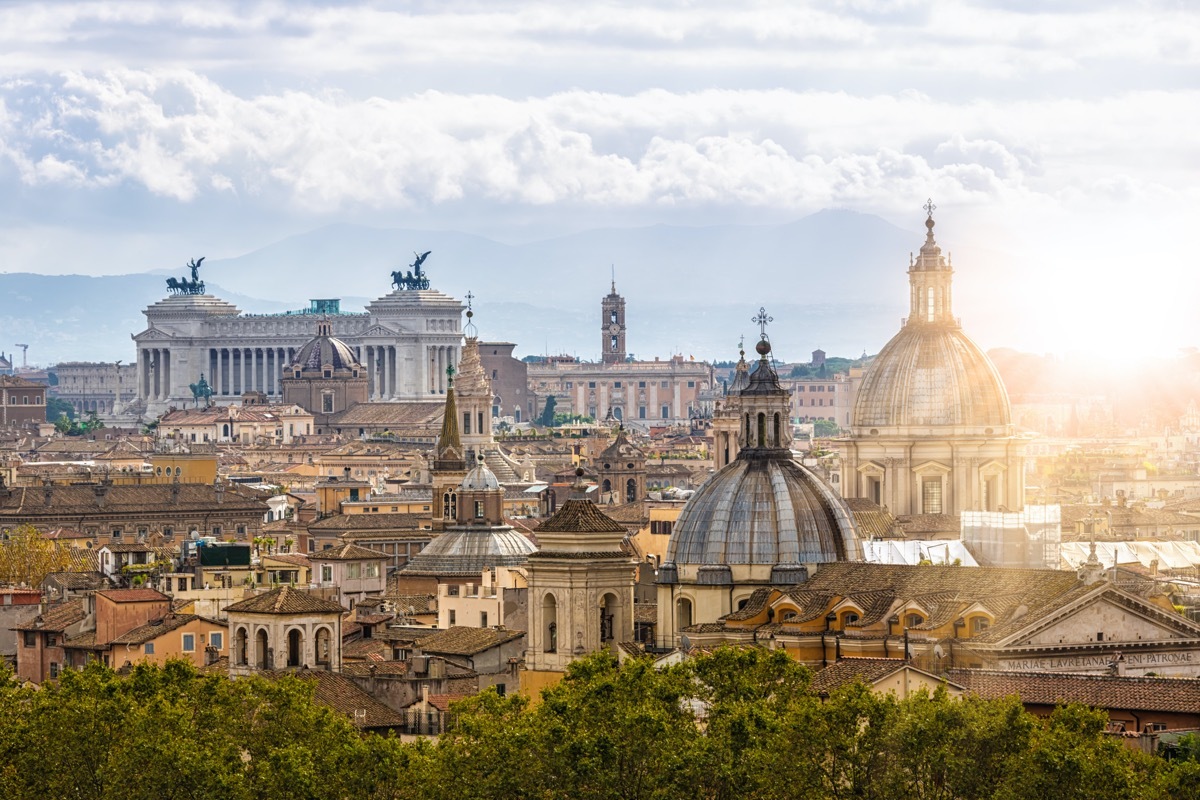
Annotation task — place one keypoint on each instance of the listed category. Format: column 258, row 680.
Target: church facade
column 931, row 431
column 404, row 340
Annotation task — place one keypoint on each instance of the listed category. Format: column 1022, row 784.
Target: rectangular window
column 641, row 384
column 569, row 385
column 466, row 422
column 665, row 385
column 216, row 530
column 326, row 573
column 931, row 495
column 31, row 638
column 691, row 384
column 51, row 640
column 478, row 509
column 666, row 412
column 483, row 619
column 217, row 640
column 353, row 571
column 616, row 384
column 53, row 669
column 450, row 617
column 591, row 384
column 452, row 590
column 241, row 529
column 148, row 648
column 371, row 571
column 189, row 643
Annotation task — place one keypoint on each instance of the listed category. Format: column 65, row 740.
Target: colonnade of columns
column 237, row 370
column 232, row 371
column 385, row 366
column 154, row 373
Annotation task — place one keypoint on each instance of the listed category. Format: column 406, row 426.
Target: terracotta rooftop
column 442, row 701
column 580, row 516
column 1100, row 691
column 369, row 522
column 55, row 619
column 1036, row 591
column 463, row 641
column 285, row 600
column 867, row 670
column 345, row 696
column 29, row 502
column 420, row 414
column 133, row 595
column 347, row 552
column 155, row 628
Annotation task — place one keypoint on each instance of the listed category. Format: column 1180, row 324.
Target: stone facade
column 405, row 340
column 22, row 402
column 95, row 386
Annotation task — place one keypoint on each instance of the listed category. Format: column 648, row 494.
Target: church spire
column 449, row 454
column 929, row 278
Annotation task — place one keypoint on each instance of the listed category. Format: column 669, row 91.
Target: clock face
column 614, row 328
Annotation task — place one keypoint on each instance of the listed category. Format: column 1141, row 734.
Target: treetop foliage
column 733, row 723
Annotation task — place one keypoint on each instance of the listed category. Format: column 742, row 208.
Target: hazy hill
column 834, row 280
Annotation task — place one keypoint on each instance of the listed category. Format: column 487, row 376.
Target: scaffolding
column 1024, row 539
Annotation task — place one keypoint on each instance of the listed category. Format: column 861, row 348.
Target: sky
column 1057, row 137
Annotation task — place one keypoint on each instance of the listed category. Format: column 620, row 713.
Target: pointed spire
column 449, row 454
column 469, row 329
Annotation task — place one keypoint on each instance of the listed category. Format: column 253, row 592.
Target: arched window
column 630, row 490
column 295, row 642
column 240, row 646
column 683, row 613
column 762, row 430
column 849, row 618
column 262, row 650
column 606, row 486
column 609, row 608
column 912, row 620
column 450, row 505
column 778, row 441
column 550, row 621
column 323, row 639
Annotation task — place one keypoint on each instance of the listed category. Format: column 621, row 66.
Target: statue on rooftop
column 416, row 278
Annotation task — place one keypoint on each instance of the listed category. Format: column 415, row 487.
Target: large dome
column 932, row 375
column 326, row 350
column 764, row 509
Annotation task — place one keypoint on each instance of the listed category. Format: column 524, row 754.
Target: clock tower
column 612, row 327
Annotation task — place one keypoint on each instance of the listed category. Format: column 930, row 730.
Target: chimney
column 101, row 489
column 47, row 490
column 220, row 488
column 345, row 473
column 175, row 491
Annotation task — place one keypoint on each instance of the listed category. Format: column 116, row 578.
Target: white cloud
column 178, row 134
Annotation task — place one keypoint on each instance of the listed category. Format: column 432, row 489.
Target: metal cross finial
column 761, row 319
column 470, row 297
column 929, row 207
column 742, row 345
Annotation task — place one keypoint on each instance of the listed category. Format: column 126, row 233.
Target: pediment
column 992, row 467
column 152, row 335
column 378, row 331
column 931, row 468
column 1112, row 616
column 871, row 468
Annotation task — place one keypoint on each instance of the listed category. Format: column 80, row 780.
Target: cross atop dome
column 469, row 329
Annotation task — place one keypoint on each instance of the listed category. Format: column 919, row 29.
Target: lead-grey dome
column 480, row 479
column 764, row 509
column 326, row 350
column 469, row 551
column 932, row 375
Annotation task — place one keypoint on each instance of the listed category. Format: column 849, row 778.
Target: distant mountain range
column 834, row 280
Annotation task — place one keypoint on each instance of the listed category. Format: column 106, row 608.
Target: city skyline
column 137, row 135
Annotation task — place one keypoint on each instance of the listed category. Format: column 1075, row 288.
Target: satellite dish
column 938, row 651
column 194, row 535
column 685, row 642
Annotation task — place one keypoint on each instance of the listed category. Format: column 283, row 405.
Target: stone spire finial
column 449, row 454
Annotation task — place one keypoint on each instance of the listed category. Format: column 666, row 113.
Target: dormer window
column 327, row 373
column 296, row 374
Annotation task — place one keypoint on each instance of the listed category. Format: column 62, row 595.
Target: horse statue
column 201, row 389
column 415, row 278
column 173, row 286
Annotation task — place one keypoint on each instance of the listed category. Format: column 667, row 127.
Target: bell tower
column 612, row 327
